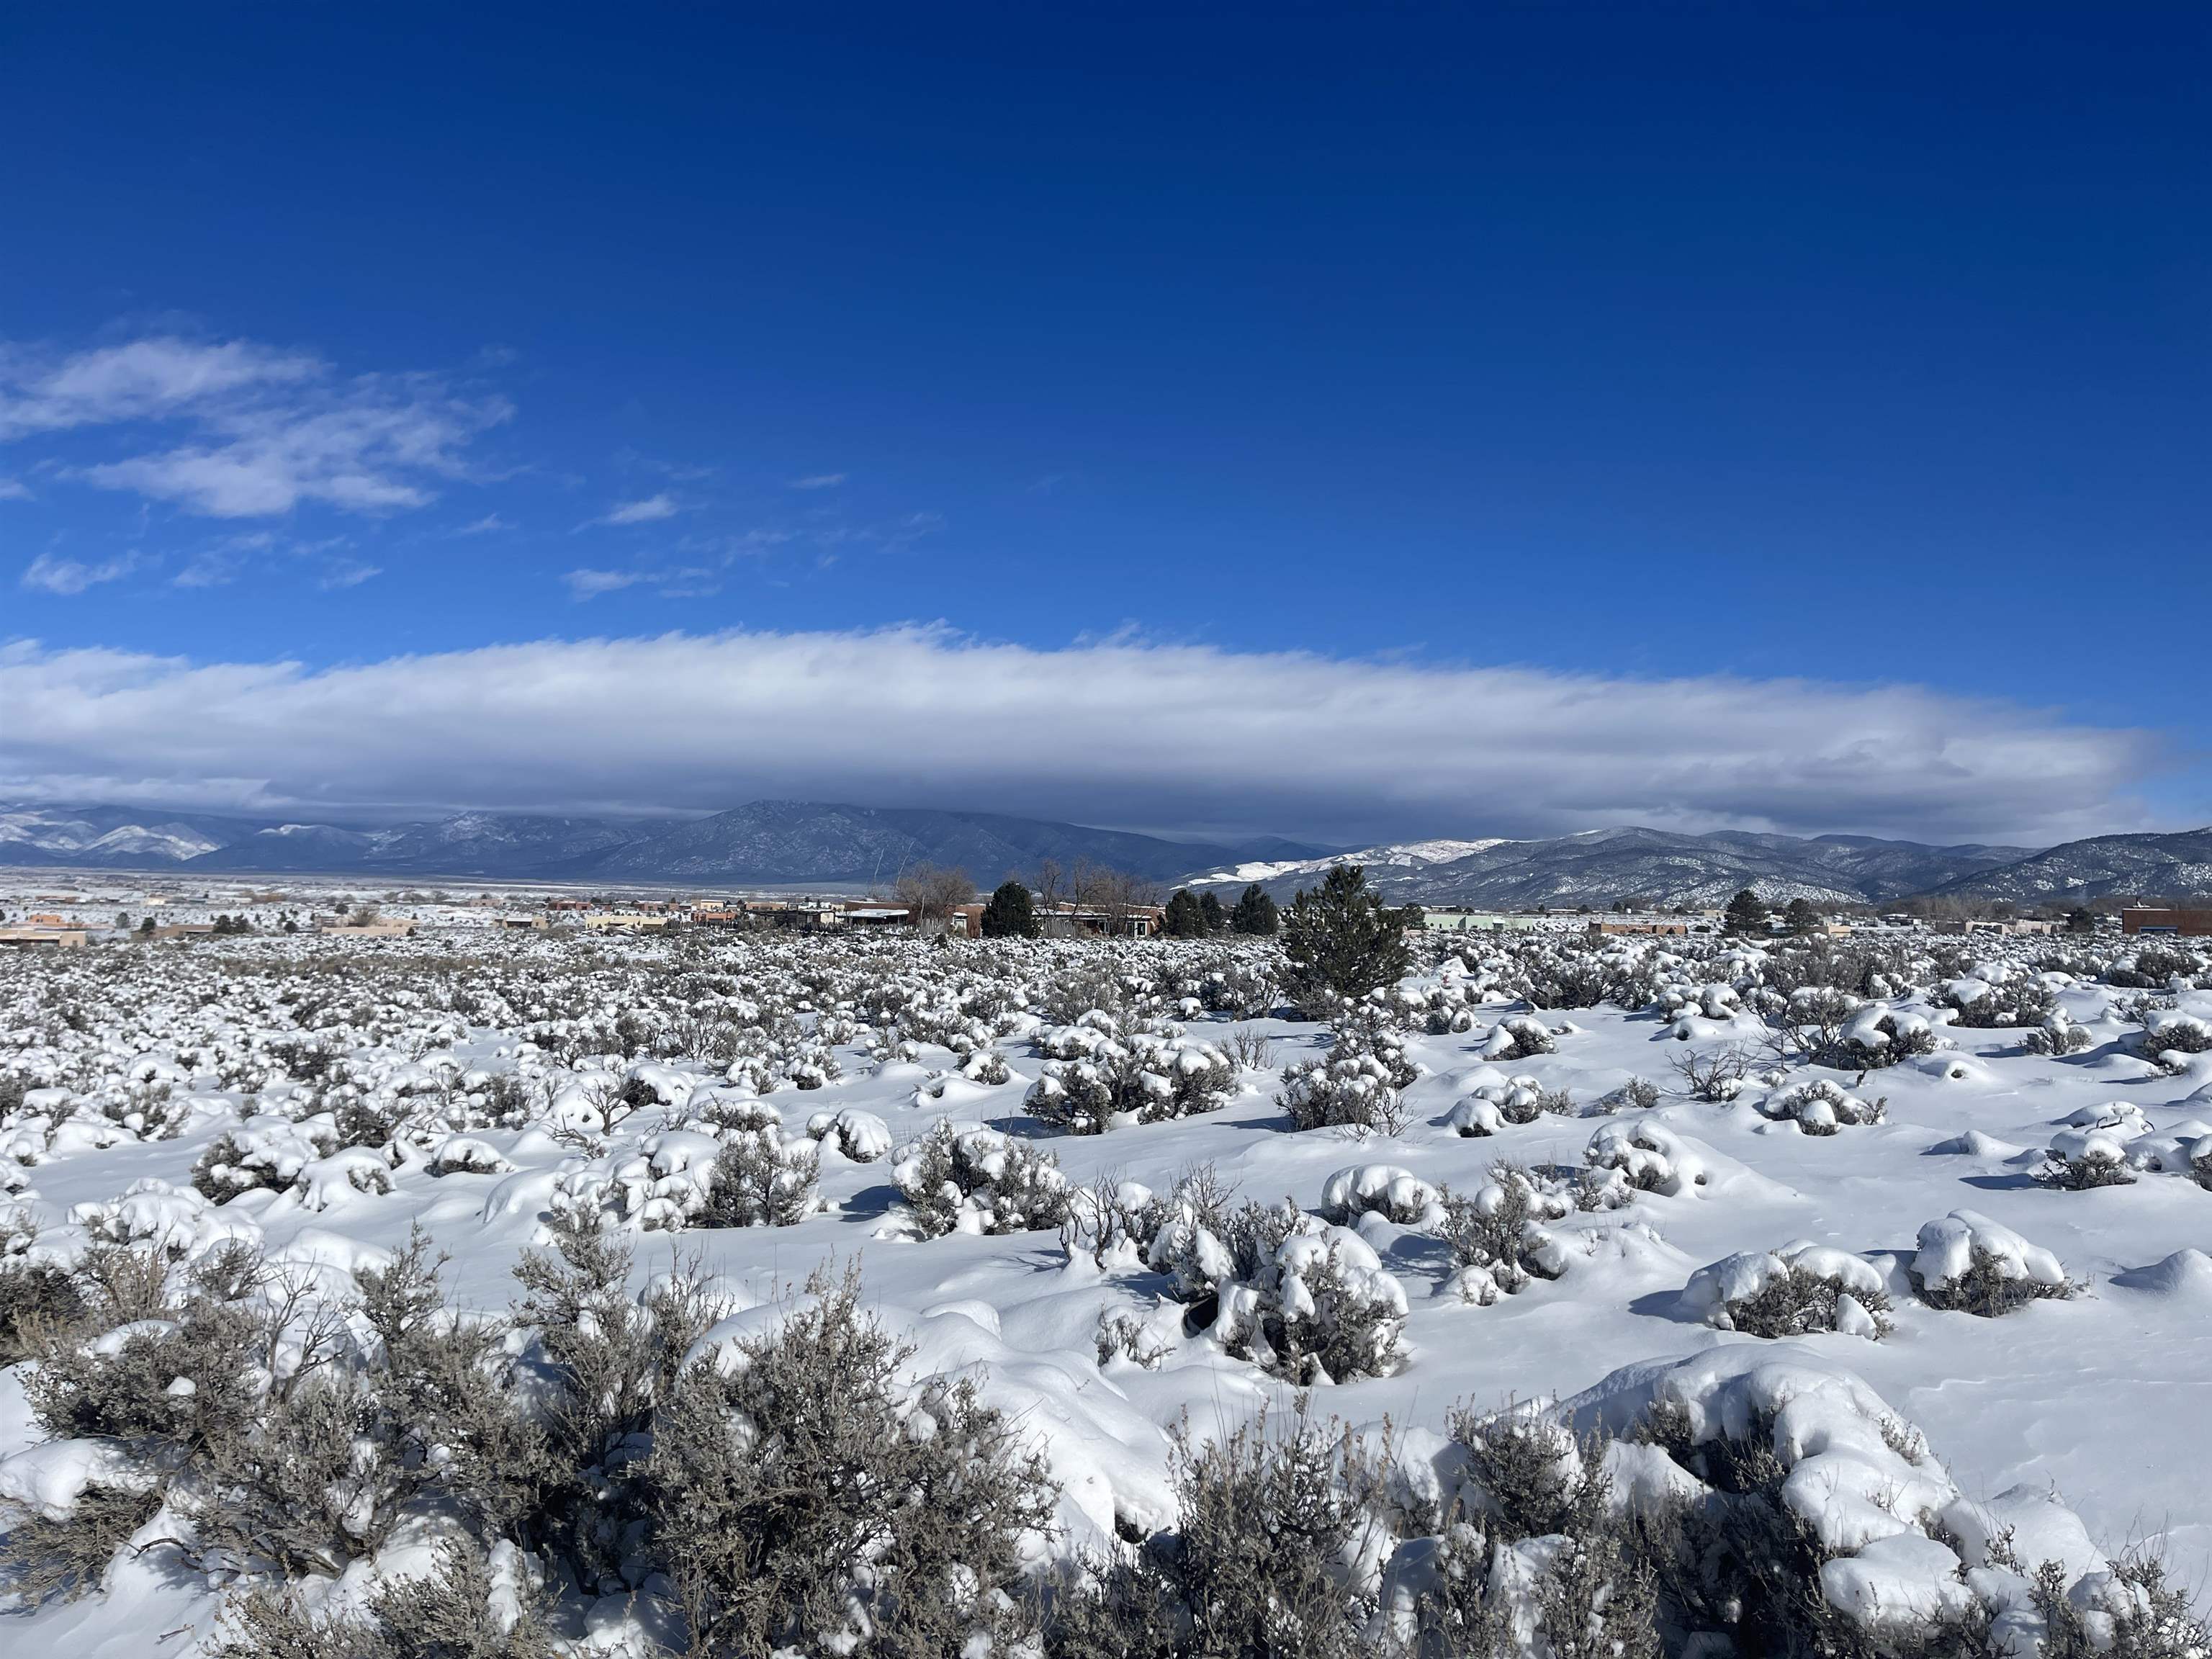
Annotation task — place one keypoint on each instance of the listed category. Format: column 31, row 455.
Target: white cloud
column 651, row 509
column 263, row 430
column 68, row 577
column 817, row 481
column 488, row 525
column 1118, row 730
column 210, row 568
column 13, row 490
column 349, row 573
column 590, row 584
column 141, row 379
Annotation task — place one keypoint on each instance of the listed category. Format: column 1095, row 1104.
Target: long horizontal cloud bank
column 1122, row 733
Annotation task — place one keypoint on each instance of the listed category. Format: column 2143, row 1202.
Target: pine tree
column 1746, row 913
column 1183, row 920
column 1801, row 917
column 1216, row 919
column 1255, row 912
column 1009, row 915
column 2080, row 919
column 1342, row 941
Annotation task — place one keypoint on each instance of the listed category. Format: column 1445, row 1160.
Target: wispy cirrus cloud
column 13, row 490
column 141, row 379
column 234, row 429
column 676, row 582
column 348, row 573
column 210, row 567
column 817, row 481
column 590, row 584
column 650, row 510
column 66, row 577
column 1119, row 731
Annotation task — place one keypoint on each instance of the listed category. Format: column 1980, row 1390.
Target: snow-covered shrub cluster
column 1819, row 1106
column 1646, row 1157
column 2023, row 1000
column 1495, row 1100
column 1098, row 1070
column 1801, row 1288
column 1293, row 1294
column 1968, row 1263
column 977, row 1180
column 1714, row 1506
column 1875, row 1037
column 766, row 1480
column 244, row 1381
column 1496, row 1234
column 1359, row 1082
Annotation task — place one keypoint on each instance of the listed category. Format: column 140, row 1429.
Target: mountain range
column 763, row 843
column 1658, row 866
column 797, row 843
column 1652, row 866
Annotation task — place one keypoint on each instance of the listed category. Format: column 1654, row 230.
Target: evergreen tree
column 1801, row 917
column 1342, row 941
column 1255, row 912
column 1216, row 919
column 1183, row 920
column 1746, row 914
column 1009, row 915
column 2080, row 919
column 147, row 927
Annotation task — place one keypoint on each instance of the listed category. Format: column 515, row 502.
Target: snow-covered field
column 318, row 1099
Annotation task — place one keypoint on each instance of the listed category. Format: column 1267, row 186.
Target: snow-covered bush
column 1354, row 1092
column 1296, row 1296
column 1967, row 1263
column 1383, row 1189
column 1496, row 1234
column 1490, row 1105
column 1876, row 1037
column 1819, row 1106
column 1717, row 1075
column 302, row 1468
column 1241, row 984
column 305, row 1159
column 1638, row 1094
column 1519, row 1037
column 860, row 1136
column 760, row 1180
column 978, row 1180
column 2014, row 1002
column 2056, row 1036
column 1645, row 1157
column 803, row 1496
column 1271, row 1552
column 1796, row 1290
column 2079, row 1159
column 2158, row 968
column 2174, row 1032
column 1357, row 1085
column 38, row 1295
column 1103, row 1072
column 466, row 1605
column 1791, row 1510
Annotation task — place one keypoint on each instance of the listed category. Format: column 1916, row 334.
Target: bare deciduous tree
column 933, row 894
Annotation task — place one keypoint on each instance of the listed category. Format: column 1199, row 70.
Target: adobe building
column 2193, row 921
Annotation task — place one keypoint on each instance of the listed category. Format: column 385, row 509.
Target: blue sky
column 1633, row 350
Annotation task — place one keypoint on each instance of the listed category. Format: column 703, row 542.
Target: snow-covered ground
column 334, row 1095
